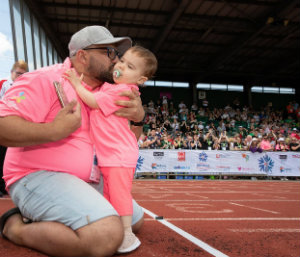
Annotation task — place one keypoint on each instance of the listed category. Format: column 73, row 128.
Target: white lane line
column 188, row 236
column 221, row 191
column 254, row 208
column 211, row 200
column 230, row 219
column 267, row 230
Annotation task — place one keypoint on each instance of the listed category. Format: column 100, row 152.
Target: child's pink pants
column 117, row 184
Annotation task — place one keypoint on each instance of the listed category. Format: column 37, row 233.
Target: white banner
column 219, row 162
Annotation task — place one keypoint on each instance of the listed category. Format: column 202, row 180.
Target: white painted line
column 267, row 230
column 231, row 219
column 210, row 200
column 254, row 208
column 221, row 191
column 188, row 236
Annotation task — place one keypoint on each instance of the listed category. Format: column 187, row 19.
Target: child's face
column 130, row 69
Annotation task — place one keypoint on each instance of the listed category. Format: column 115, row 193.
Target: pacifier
column 116, row 73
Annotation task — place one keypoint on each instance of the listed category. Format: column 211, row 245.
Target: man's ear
column 142, row 80
column 81, row 56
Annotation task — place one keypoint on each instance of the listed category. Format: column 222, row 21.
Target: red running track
column 211, row 218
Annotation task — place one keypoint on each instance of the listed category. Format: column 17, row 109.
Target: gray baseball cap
column 96, row 35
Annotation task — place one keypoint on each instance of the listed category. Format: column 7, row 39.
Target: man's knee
column 103, row 237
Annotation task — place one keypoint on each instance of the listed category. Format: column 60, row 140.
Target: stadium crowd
column 230, row 128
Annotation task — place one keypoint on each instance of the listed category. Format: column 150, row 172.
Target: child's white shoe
column 130, row 243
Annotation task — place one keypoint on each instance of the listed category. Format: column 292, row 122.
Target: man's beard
column 98, row 71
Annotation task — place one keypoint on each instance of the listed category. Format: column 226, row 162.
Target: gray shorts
column 64, row 198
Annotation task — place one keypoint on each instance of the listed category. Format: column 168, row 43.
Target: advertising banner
column 220, row 162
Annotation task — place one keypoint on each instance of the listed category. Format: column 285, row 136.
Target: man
column 50, row 156
column 19, row 68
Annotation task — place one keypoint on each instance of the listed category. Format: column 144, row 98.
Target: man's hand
column 132, row 108
column 67, row 120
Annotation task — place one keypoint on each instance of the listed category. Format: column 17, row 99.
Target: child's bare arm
column 86, row 96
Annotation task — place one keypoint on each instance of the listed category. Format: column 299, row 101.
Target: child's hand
column 73, row 78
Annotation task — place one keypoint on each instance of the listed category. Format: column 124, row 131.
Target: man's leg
column 72, row 219
column 100, row 238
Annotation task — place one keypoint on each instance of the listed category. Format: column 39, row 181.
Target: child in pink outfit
column 116, row 145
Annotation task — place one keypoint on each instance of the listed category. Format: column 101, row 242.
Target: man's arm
column 17, row 132
column 132, row 109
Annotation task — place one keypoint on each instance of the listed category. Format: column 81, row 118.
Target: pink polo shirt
column 116, row 144
column 33, row 97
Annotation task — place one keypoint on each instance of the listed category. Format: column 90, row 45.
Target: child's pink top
column 116, row 144
column 33, row 98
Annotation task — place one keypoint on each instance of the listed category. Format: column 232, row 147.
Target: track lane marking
column 188, row 236
column 231, row 219
column 210, row 200
column 266, row 230
column 254, row 208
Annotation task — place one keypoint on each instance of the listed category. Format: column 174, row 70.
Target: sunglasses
column 112, row 53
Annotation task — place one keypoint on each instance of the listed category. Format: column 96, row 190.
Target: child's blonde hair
column 150, row 59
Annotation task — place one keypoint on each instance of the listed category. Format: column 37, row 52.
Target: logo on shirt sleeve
column 19, row 98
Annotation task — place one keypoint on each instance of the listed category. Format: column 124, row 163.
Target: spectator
column 194, row 107
column 247, row 142
column 178, row 142
column 255, row 146
column 294, row 144
column 281, row 145
column 223, row 141
column 188, row 143
column 153, row 141
column 142, row 141
column 165, row 142
column 238, row 144
column 216, row 144
column 18, row 69
column 209, row 139
column 265, row 144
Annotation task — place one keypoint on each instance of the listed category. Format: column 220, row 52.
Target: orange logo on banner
column 181, row 156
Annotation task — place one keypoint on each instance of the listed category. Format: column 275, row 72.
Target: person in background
column 117, row 149
column 210, row 138
column 255, row 146
column 294, row 144
column 281, row 145
column 153, row 141
column 265, row 143
column 18, row 69
column 223, row 141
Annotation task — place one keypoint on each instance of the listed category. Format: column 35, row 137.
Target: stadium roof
column 209, row 41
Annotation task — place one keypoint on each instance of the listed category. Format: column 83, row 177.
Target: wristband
column 140, row 123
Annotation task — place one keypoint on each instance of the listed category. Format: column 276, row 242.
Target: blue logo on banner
column 140, row 162
column 203, row 157
column 266, row 164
